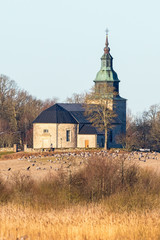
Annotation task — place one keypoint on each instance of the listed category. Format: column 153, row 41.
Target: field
column 77, row 223
column 83, row 195
column 4, row 153
column 42, row 165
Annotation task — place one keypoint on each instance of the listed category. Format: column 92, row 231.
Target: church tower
column 108, row 77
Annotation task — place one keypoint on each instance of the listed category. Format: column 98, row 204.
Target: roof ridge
column 55, row 114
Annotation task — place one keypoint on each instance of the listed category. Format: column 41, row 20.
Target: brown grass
column 106, row 199
column 77, row 223
column 12, row 155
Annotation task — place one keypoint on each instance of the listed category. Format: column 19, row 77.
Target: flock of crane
column 74, row 160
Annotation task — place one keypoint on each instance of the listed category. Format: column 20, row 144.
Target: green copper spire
column 106, row 72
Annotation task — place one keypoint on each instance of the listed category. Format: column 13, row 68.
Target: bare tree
column 48, row 103
column 154, row 118
column 8, row 91
column 18, row 109
column 76, row 98
column 99, row 108
column 143, row 131
column 128, row 140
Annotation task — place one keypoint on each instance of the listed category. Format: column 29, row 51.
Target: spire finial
column 106, row 49
column 107, row 31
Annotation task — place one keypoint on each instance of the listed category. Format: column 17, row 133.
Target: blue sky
column 53, row 48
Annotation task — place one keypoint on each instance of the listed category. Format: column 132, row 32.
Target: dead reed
column 106, row 199
column 77, row 223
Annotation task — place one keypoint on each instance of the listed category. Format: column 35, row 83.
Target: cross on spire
column 106, row 49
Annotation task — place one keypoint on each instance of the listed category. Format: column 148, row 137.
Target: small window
column 68, row 135
column 45, row 130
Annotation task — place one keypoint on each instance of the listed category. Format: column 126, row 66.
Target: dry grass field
column 39, row 206
column 78, row 223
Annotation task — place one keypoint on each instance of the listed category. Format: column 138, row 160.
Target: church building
column 65, row 125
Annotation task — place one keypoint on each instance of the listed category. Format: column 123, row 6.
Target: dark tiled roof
column 119, row 98
column 72, row 107
column 77, row 111
column 55, row 114
column 68, row 113
column 89, row 129
column 80, row 117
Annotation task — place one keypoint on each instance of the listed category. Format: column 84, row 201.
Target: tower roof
column 106, row 72
column 106, row 75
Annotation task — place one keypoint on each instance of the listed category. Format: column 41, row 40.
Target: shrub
column 118, row 183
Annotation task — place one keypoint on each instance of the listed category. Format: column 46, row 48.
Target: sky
column 52, row 48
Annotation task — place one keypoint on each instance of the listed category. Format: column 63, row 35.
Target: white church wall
column 43, row 135
column 46, row 135
column 84, row 138
column 62, row 135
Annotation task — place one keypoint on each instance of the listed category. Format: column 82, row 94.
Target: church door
column 46, row 143
column 86, row 143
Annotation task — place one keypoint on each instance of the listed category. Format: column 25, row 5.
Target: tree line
column 143, row 131
column 18, row 109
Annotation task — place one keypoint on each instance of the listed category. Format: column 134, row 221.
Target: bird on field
column 9, row 169
column 28, row 168
column 68, row 166
column 56, row 169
